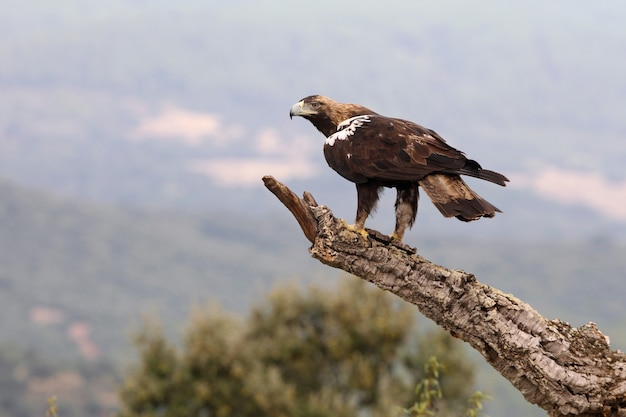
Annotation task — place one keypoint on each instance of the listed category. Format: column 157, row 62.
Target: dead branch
column 566, row 371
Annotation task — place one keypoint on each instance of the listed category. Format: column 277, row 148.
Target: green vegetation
column 430, row 395
column 345, row 352
column 52, row 410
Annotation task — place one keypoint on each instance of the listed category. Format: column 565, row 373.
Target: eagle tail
column 454, row 198
column 473, row 169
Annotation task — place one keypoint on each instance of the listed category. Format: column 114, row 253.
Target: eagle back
column 388, row 151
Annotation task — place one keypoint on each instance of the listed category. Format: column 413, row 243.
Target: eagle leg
column 406, row 209
column 367, row 197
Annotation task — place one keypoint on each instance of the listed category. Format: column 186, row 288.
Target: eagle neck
column 323, row 124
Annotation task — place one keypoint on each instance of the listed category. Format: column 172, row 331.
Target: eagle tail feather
column 454, row 198
column 473, row 169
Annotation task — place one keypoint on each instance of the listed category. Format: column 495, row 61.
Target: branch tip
column 301, row 209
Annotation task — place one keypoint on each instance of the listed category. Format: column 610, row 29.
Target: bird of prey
column 374, row 151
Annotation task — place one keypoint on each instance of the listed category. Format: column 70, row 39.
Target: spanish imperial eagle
column 375, row 151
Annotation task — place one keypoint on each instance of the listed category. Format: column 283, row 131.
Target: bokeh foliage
column 349, row 351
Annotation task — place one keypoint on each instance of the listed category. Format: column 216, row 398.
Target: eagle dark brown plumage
column 375, row 151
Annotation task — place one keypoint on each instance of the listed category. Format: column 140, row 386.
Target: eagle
column 374, row 151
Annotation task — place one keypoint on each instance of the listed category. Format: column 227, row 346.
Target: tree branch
column 566, row 371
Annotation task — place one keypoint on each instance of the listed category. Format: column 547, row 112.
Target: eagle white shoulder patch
column 347, row 128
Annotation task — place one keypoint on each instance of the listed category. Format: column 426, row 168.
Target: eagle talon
column 395, row 238
column 361, row 232
column 358, row 230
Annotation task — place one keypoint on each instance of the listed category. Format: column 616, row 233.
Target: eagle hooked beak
column 303, row 109
column 297, row 109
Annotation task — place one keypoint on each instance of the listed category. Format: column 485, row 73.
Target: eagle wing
column 388, row 150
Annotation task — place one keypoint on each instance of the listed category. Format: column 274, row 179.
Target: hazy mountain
column 66, row 263
column 185, row 106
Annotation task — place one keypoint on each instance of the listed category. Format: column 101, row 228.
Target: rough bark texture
column 566, row 371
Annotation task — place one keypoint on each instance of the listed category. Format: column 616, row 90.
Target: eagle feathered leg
column 367, row 197
column 406, row 209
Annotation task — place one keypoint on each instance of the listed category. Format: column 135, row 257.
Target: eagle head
column 325, row 113
column 311, row 106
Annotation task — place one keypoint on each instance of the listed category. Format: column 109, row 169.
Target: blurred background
column 134, row 135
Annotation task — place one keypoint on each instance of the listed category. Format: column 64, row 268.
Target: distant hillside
column 67, row 265
column 96, row 269
column 76, row 278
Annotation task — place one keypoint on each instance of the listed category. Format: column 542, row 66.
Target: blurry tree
column 346, row 352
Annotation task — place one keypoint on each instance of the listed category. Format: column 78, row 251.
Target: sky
column 530, row 89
